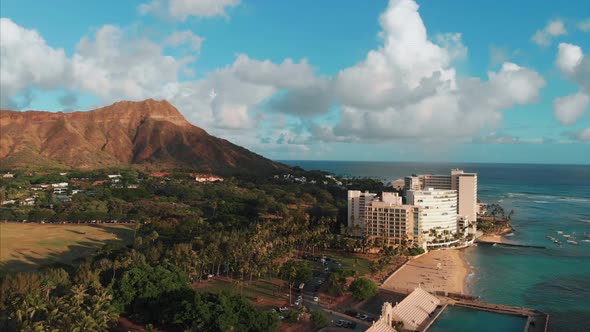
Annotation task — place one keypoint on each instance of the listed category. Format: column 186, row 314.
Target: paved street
column 309, row 293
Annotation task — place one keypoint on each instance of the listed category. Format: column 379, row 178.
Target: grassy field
column 25, row 247
column 349, row 262
column 262, row 292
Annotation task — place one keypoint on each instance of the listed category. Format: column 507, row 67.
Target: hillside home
column 207, row 178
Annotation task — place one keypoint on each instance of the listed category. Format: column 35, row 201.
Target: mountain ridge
column 145, row 133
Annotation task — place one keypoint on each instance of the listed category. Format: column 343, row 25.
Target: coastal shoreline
column 439, row 270
column 499, row 238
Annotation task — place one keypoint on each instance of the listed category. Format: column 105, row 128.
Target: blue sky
column 339, row 80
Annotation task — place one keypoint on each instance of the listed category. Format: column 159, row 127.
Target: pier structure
column 537, row 321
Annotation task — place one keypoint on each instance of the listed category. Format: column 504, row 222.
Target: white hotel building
column 437, row 208
column 357, row 210
column 438, row 212
column 464, row 183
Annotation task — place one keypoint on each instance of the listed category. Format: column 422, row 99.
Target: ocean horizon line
column 429, row 162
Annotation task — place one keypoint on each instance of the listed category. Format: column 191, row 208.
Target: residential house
column 207, row 178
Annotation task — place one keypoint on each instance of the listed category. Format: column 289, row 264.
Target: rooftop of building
column 415, row 308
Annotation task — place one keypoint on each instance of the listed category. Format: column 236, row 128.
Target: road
column 309, row 293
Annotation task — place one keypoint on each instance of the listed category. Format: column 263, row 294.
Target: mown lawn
column 349, row 262
column 26, row 246
column 267, row 292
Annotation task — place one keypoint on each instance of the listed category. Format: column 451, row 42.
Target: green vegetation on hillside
column 183, row 233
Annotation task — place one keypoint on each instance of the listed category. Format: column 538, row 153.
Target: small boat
column 585, row 240
column 572, row 242
column 559, row 232
column 567, row 236
column 587, row 236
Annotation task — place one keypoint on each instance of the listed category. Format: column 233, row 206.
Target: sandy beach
column 494, row 238
column 438, row 270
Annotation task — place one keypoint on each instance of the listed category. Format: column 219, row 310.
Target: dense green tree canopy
column 363, row 288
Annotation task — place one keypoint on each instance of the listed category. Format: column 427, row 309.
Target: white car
column 298, row 302
column 316, row 299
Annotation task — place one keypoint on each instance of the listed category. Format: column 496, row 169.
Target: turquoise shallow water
column 545, row 198
column 473, row 320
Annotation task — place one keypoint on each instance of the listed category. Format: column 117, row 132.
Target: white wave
column 544, row 199
column 585, row 220
column 574, row 199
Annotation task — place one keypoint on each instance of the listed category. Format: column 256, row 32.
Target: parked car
column 364, row 317
column 316, row 299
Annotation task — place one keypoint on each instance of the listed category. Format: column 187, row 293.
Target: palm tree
column 79, row 294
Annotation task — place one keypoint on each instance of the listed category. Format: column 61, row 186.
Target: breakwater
column 491, row 243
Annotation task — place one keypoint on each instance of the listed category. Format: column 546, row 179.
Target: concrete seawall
column 536, row 319
column 491, row 243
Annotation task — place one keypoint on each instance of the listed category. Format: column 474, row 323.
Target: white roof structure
column 415, row 308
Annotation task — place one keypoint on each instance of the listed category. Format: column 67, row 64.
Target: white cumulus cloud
column 114, row 67
column 569, row 57
column 240, row 89
column 184, row 37
column 182, row 9
column 576, row 67
column 110, row 64
column 409, row 88
column 553, row 29
column 569, row 108
column 28, row 61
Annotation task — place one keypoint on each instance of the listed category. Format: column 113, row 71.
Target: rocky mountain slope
column 149, row 133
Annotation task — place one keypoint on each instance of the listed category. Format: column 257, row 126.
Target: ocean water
column 474, row 320
column 545, row 199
